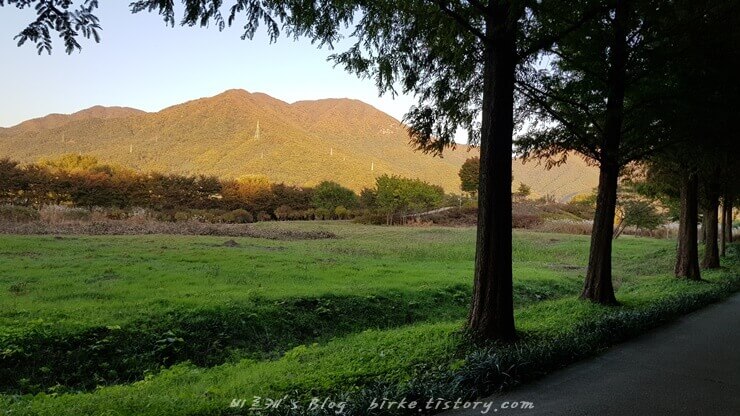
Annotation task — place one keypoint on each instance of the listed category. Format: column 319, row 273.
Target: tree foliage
column 395, row 195
column 330, row 195
column 470, row 175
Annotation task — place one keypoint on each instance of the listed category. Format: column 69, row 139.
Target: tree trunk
column 492, row 310
column 711, row 227
column 687, row 257
column 598, row 285
column 729, row 222
column 726, row 223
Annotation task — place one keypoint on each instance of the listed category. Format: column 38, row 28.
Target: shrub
column 283, row 212
column 322, row 214
column 341, row 212
column 566, row 227
column 525, row 221
column 372, row 217
column 14, row 213
column 263, row 216
column 59, row 213
column 181, row 216
column 115, row 214
column 579, row 208
column 238, row 216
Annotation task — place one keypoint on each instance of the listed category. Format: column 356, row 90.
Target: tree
column 727, row 203
column 329, row 195
column 470, row 175
column 638, row 213
column 459, row 58
column 687, row 255
column 395, row 195
column 523, row 191
column 711, row 188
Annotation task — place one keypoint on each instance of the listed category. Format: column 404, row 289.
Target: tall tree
column 591, row 101
column 711, row 188
column 687, row 255
column 727, row 204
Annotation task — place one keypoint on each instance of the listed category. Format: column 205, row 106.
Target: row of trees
column 396, row 197
column 81, row 181
column 616, row 81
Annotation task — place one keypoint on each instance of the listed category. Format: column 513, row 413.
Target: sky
column 143, row 63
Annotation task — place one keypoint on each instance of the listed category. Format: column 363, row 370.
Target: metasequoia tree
column 591, row 101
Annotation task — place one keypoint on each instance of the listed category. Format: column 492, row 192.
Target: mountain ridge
column 238, row 133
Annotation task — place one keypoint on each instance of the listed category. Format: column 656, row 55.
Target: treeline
column 81, row 181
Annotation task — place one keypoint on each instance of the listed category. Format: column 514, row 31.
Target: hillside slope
column 238, row 133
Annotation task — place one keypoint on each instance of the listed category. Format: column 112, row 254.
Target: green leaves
column 58, row 16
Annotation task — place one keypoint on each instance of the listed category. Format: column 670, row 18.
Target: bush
column 59, row 213
column 115, row 214
column 341, row 212
column 283, row 212
column 525, row 221
column 238, row 216
column 566, row 227
column 263, row 216
column 15, row 213
column 371, row 217
column 181, row 216
column 322, row 214
column 579, row 208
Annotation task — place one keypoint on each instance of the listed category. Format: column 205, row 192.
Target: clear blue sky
column 145, row 64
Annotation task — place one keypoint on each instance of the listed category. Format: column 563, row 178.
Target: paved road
column 689, row 367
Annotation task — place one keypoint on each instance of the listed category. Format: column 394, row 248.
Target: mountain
column 58, row 120
column 238, row 133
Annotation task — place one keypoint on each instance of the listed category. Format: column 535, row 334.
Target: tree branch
column 524, row 89
column 479, row 5
column 460, row 20
column 576, row 104
column 546, row 42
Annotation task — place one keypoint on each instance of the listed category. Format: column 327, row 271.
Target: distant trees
column 330, row 195
column 395, row 196
column 470, row 175
column 91, row 184
column 82, row 181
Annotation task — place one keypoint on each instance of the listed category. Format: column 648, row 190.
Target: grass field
column 157, row 325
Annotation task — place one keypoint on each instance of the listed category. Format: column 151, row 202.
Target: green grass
column 377, row 311
column 84, row 281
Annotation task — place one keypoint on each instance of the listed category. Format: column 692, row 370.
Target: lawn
column 184, row 325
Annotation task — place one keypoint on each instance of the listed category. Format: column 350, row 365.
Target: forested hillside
column 238, row 133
